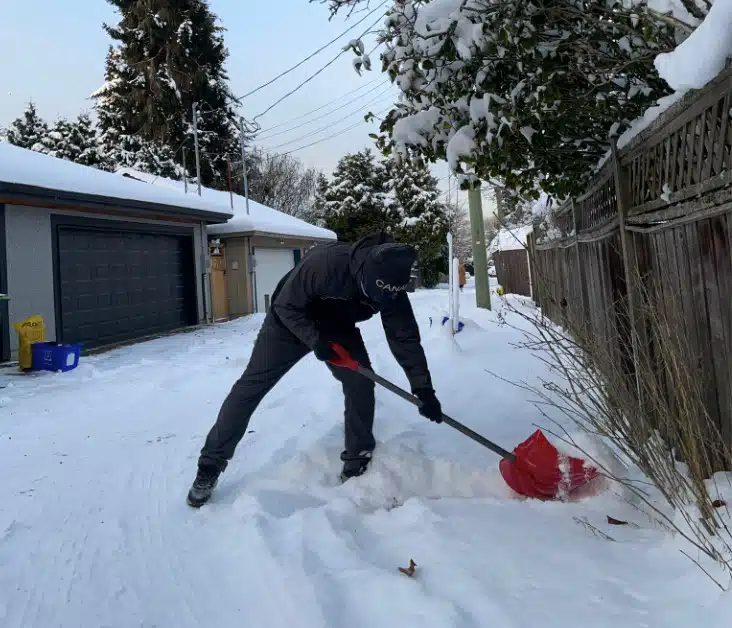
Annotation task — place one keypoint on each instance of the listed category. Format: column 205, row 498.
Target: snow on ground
column 95, row 531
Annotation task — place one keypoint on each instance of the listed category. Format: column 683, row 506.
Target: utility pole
column 480, row 256
column 185, row 172
column 228, row 177
column 195, row 141
column 244, row 163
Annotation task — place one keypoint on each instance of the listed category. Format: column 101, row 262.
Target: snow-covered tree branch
column 528, row 94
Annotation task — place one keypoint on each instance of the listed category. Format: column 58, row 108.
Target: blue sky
column 53, row 53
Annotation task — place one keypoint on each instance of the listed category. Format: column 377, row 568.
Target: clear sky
column 53, row 53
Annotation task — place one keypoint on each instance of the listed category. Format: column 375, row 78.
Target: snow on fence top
column 21, row 166
column 691, row 65
column 510, row 239
column 261, row 219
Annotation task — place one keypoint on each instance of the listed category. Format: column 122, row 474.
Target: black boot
column 203, row 486
column 354, row 464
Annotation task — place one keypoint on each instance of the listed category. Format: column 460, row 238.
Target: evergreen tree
column 318, row 207
column 424, row 224
column 86, row 139
column 356, row 199
column 167, row 55
column 76, row 141
column 59, row 138
column 30, row 131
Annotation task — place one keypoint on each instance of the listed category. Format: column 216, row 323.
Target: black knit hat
column 386, row 271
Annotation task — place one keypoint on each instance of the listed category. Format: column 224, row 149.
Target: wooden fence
column 660, row 210
column 513, row 272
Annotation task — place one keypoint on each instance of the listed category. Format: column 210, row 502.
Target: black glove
column 431, row 408
column 323, row 351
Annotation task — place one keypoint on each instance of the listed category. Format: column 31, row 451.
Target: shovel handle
column 346, row 361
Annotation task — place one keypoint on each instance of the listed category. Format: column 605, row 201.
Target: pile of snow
column 260, row 219
column 21, row 166
column 512, row 239
column 94, row 529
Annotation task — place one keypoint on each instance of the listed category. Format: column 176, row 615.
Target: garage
column 270, row 266
column 120, row 283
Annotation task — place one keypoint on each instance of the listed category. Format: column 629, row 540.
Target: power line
column 328, row 126
column 320, row 117
column 327, row 65
column 328, row 104
column 330, row 137
column 318, row 51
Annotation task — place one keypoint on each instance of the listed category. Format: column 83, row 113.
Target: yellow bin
column 31, row 330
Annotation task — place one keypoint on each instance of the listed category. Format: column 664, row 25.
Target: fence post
column 629, row 258
column 580, row 270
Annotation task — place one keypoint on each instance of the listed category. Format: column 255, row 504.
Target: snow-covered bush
column 521, row 92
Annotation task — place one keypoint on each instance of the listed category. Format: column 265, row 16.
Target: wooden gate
column 219, row 294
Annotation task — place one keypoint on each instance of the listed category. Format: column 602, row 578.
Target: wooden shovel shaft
column 368, row 373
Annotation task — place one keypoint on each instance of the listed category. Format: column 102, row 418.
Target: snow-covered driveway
column 95, row 531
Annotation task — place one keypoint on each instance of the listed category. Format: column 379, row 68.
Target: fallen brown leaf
column 616, row 522
column 409, row 571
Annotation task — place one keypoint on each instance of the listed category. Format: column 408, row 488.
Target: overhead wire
column 330, row 137
column 327, row 65
column 324, row 115
column 306, row 59
column 380, row 97
column 328, row 104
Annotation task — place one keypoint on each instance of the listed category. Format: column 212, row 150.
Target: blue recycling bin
column 53, row 356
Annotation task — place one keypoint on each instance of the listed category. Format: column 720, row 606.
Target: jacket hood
column 360, row 249
column 381, row 267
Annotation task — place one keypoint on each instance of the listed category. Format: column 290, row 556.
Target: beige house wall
column 238, row 277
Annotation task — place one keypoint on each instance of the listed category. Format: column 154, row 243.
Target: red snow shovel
column 534, row 469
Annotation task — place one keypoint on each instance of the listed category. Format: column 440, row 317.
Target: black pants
column 276, row 351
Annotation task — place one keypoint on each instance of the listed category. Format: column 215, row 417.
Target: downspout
column 206, row 294
column 252, row 275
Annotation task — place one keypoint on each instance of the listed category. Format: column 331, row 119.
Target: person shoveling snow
column 315, row 305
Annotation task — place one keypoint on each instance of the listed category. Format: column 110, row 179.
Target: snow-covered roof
column 510, row 239
column 261, row 219
column 23, row 167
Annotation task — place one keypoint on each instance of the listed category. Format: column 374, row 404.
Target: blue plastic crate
column 52, row 356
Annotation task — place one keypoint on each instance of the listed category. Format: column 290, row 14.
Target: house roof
column 260, row 219
column 29, row 176
column 510, row 239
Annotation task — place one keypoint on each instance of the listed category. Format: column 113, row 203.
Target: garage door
column 271, row 266
column 120, row 285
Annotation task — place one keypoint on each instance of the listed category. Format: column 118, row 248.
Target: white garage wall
column 30, row 264
column 30, row 268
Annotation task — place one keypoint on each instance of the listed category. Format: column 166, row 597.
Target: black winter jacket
column 322, row 295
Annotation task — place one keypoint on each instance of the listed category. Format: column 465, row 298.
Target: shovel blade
column 541, row 472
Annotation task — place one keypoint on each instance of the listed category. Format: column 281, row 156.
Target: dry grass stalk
column 651, row 409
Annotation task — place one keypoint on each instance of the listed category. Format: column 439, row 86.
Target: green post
column 480, row 258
